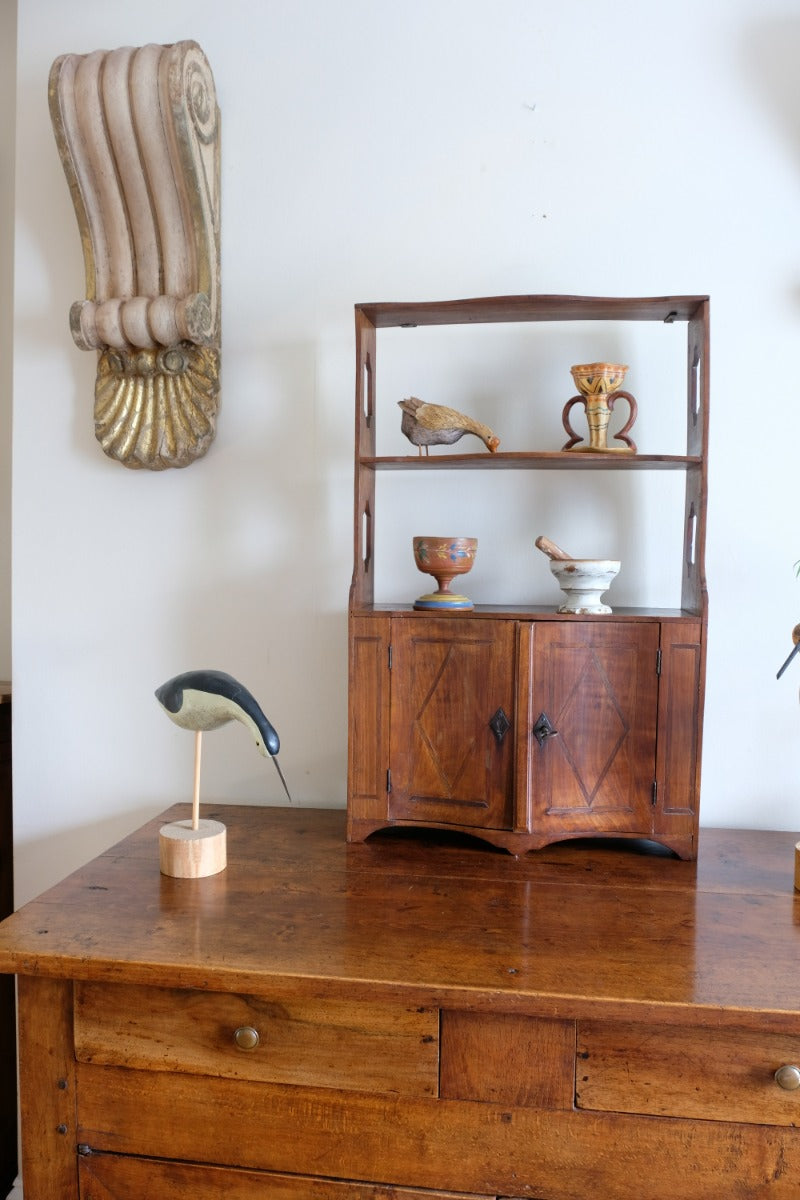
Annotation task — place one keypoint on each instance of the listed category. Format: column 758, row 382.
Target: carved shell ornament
column 138, row 134
column 156, row 408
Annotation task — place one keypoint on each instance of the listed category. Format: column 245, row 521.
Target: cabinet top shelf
column 510, row 309
column 543, row 460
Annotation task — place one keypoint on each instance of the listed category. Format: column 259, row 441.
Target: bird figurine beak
column 280, row 772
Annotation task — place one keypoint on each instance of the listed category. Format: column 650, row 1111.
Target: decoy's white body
column 206, row 710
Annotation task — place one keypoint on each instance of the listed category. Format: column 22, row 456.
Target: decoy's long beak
column 280, row 772
column 783, row 668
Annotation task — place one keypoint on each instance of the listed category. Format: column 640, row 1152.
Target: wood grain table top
column 568, row 931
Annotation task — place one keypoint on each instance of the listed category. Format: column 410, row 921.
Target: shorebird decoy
column 202, row 700
column 436, row 425
column 205, row 699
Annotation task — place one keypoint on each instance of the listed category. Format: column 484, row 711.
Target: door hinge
column 654, row 793
column 388, row 780
column 658, row 661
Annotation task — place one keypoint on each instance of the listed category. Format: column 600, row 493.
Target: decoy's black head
column 206, row 699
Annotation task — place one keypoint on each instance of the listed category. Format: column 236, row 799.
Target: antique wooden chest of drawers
column 410, row 1018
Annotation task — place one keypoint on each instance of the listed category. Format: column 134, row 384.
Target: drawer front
column 312, row 1043
column 722, row 1075
column 102, row 1176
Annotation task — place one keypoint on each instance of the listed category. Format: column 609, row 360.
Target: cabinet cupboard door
column 450, row 679
column 597, row 684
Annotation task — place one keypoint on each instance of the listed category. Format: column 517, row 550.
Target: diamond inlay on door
column 591, row 751
column 447, row 762
column 599, row 687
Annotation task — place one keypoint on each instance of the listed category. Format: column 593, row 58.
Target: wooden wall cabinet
column 519, row 724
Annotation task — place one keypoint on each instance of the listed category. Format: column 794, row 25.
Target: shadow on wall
column 268, row 593
column 49, row 856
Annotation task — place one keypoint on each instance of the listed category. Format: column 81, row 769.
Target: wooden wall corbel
column 138, row 134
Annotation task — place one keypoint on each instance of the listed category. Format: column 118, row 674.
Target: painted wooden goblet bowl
column 444, row 558
column 599, row 378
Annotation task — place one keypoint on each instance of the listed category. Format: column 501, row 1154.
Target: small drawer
column 713, row 1074
column 309, row 1043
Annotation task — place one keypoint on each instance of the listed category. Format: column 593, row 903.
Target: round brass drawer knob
column 788, row 1077
column 246, row 1037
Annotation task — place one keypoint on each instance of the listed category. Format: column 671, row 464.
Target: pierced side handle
column 574, row 437
column 622, row 436
column 543, row 729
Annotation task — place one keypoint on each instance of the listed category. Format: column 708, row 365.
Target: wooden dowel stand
column 195, row 848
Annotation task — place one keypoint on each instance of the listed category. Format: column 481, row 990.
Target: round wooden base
column 188, row 853
column 797, row 867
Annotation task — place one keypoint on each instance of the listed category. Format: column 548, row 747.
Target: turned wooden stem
column 198, row 753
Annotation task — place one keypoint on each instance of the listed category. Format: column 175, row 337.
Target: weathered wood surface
column 304, row 1042
column 453, row 925
column 439, row 1144
column 106, row 1177
column 507, row 1059
column 48, row 1101
column 642, row 962
column 724, row 1075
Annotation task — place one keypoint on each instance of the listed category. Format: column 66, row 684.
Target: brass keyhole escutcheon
column 246, row 1037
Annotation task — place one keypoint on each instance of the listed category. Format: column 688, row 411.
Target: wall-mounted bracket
column 138, row 134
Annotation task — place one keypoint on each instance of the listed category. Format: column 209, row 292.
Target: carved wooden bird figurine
column 435, row 425
column 206, row 699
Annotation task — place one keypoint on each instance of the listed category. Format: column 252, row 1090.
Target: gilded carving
column 138, row 134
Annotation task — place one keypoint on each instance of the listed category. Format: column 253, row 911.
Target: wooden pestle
column 551, row 549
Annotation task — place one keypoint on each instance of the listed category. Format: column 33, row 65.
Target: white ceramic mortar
column 583, row 581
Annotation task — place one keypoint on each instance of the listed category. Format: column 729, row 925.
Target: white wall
column 430, row 149
column 8, row 66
